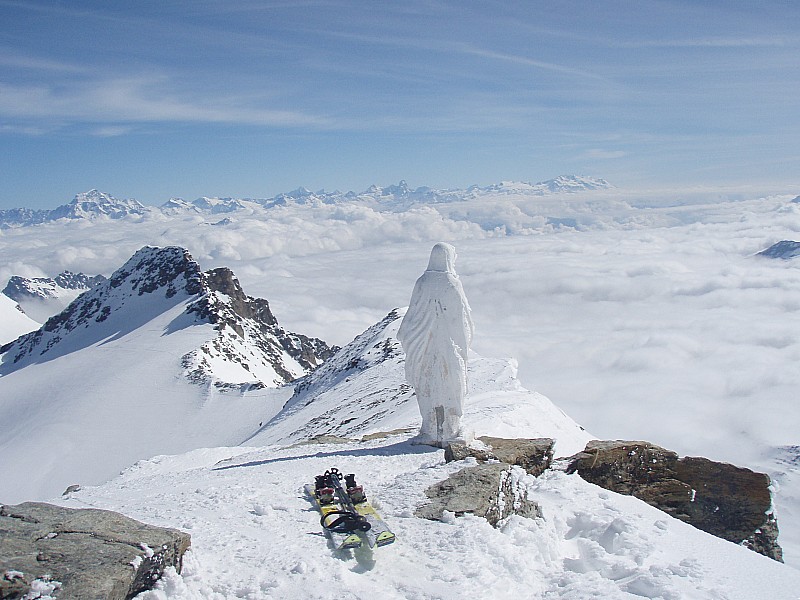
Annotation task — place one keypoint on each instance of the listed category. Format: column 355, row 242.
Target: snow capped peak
column 113, row 306
column 574, row 183
column 95, row 196
column 94, row 204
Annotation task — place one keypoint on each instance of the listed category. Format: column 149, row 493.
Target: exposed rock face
column 533, row 455
column 247, row 324
column 730, row 502
column 784, row 250
column 86, row 554
column 493, row 491
column 155, row 280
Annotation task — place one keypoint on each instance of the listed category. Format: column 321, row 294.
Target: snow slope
column 116, row 377
column 13, row 322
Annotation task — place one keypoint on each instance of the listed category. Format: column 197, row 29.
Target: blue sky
column 154, row 99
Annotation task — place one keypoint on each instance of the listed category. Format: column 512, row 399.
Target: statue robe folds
column 436, row 333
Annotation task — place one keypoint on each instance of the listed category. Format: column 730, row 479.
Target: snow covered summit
column 93, row 204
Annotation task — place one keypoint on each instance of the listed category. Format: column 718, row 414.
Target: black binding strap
column 346, row 522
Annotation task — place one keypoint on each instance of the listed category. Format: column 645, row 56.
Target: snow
column 89, row 412
column 255, row 535
column 13, row 322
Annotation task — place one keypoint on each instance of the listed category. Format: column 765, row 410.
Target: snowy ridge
column 368, row 372
column 42, row 297
column 362, row 390
column 114, row 307
column 249, row 348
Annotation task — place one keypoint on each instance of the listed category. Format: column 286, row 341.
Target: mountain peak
column 249, row 347
column 574, row 183
column 93, row 204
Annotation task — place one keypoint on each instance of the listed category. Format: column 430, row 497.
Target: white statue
column 436, row 333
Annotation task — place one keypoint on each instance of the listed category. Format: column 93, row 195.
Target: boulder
column 83, row 554
column 533, row 455
column 493, row 491
column 729, row 502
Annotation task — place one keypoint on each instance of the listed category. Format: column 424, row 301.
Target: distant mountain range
column 95, row 204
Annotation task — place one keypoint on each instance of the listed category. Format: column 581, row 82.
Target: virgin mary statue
column 436, row 333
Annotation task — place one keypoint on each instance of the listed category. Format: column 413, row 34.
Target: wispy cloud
column 139, row 99
column 599, row 153
column 711, row 42
column 526, row 61
column 9, row 59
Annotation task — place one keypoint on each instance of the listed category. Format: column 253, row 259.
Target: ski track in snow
column 255, row 535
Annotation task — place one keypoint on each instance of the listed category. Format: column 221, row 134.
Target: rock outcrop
column 533, row 455
column 729, row 502
column 784, row 250
column 493, row 491
column 82, row 554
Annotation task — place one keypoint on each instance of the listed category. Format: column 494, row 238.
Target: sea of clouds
column 641, row 316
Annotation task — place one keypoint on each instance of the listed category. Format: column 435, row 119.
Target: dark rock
column 491, row 490
column 93, row 554
column 533, row 455
column 729, row 502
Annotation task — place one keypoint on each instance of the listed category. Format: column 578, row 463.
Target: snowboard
column 346, row 515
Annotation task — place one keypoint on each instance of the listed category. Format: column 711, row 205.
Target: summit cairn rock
column 82, row 554
column 730, row 502
column 533, row 455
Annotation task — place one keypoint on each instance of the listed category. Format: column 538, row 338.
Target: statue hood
column 443, row 258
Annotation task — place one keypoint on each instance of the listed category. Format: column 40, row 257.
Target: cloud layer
column 652, row 319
